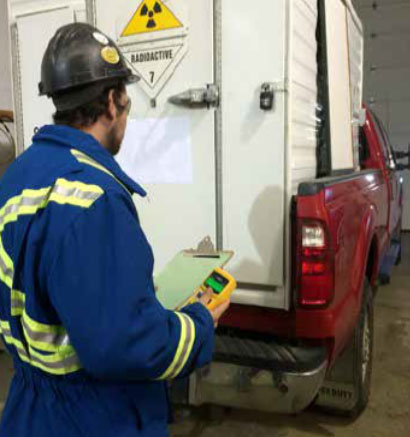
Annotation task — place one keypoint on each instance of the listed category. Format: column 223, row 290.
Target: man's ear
column 111, row 108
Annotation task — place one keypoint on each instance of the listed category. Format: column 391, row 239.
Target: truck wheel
column 398, row 259
column 346, row 389
column 363, row 352
column 398, row 240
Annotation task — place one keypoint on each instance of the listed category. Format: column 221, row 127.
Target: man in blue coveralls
column 92, row 346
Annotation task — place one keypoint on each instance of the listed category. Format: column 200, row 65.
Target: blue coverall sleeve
column 101, row 286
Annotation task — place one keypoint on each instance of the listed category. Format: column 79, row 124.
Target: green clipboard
column 176, row 284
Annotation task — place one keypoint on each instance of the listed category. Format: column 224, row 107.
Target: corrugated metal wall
column 387, row 71
column 355, row 38
column 303, row 91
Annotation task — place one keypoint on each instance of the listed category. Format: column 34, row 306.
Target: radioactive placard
column 153, row 41
column 151, row 64
column 151, row 16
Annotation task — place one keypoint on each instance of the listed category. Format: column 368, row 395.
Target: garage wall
column 40, row 18
column 6, row 101
column 387, row 71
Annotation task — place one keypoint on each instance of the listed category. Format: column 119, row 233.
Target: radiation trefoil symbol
column 146, row 11
column 151, row 16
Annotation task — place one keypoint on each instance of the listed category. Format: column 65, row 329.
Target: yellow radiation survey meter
column 222, row 285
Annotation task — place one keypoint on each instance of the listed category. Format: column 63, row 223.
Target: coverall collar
column 72, row 138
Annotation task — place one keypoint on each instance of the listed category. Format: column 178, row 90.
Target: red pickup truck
column 346, row 233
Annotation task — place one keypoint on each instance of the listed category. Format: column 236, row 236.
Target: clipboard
column 177, row 283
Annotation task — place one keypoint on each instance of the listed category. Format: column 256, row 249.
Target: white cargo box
column 213, row 162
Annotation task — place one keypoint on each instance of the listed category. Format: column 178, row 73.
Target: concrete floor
column 388, row 414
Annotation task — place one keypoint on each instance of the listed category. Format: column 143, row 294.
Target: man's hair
column 88, row 113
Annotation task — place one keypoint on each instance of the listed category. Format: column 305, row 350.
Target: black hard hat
column 78, row 64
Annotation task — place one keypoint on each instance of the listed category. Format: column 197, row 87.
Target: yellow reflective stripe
column 30, row 201
column 18, row 300
column 47, row 363
column 4, row 325
column 75, row 193
column 42, row 327
column 54, row 339
column 186, row 341
column 80, row 186
column 182, row 339
column 56, row 364
column 186, row 352
column 26, row 203
column 47, row 338
column 52, row 358
column 85, row 159
column 6, row 267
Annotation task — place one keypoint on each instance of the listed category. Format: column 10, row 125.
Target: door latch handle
column 197, row 97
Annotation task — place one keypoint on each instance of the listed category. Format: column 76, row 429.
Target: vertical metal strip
column 287, row 219
column 17, row 90
column 324, row 152
column 90, row 12
column 218, row 123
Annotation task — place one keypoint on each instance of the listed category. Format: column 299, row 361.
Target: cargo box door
column 253, row 138
column 169, row 144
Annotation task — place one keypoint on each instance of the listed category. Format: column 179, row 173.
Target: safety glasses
column 126, row 107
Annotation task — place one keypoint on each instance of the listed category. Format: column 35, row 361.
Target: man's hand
column 217, row 312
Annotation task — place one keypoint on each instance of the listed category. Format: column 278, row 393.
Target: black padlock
column 267, row 96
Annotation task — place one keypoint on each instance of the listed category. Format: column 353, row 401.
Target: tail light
column 315, row 260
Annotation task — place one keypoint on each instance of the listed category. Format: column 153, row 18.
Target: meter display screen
column 217, row 282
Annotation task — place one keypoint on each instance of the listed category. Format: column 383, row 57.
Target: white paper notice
column 157, row 151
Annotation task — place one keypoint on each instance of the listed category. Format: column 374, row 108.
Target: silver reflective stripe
column 5, row 331
column 63, row 363
column 24, row 201
column 75, row 192
column 43, row 337
column 185, row 349
column 6, row 270
column 17, row 304
column 32, row 201
column 85, row 159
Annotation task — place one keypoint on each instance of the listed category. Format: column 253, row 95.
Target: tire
column 384, row 279
column 398, row 259
column 397, row 239
column 363, row 352
column 353, row 368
